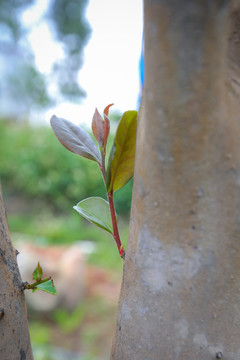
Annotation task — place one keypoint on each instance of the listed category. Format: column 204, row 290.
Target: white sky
column 110, row 73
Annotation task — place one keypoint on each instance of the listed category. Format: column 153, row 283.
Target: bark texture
column 14, row 333
column 180, row 296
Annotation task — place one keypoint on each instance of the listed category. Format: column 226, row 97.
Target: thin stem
column 36, row 283
column 115, row 226
column 112, row 211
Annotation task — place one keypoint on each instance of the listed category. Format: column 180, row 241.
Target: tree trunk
column 14, row 334
column 180, row 296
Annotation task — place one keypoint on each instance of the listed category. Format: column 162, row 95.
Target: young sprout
column 120, row 162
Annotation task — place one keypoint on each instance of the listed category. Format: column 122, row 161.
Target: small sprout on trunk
column 45, row 284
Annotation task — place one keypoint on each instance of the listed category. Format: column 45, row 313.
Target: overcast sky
column 110, row 73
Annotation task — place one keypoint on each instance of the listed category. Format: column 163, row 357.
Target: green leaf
column 75, row 139
column 121, row 160
column 96, row 210
column 37, row 274
column 47, row 286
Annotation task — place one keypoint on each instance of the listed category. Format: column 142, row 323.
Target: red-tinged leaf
column 106, row 124
column 75, row 139
column 106, row 110
column 121, row 160
column 98, row 128
column 106, row 131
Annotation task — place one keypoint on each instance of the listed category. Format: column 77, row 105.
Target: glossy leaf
column 74, row 138
column 47, row 286
column 121, row 160
column 96, row 210
column 98, row 128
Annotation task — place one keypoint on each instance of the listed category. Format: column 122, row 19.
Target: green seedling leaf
column 121, row 160
column 75, row 139
column 96, row 210
column 47, row 286
column 37, row 274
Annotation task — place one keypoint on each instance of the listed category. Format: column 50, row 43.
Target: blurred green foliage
column 42, row 181
column 68, row 322
column 68, row 25
column 34, row 165
column 28, row 84
column 9, row 16
column 40, row 333
column 72, row 30
column 53, row 340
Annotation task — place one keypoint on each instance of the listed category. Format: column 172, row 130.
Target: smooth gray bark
column 14, row 334
column 180, row 296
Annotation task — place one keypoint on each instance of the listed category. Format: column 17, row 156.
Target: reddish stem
column 115, row 226
column 112, row 211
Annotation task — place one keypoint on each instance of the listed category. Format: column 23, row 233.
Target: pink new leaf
column 98, row 128
column 106, row 125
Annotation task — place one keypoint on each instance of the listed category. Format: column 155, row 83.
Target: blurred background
column 65, row 57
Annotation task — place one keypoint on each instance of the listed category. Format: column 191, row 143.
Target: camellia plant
column 120, row 162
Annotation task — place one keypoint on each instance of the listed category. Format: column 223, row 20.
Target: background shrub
column 34, row 166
